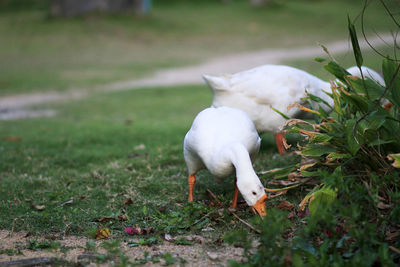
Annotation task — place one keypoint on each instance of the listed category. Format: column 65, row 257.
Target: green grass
column 97, row 152
column 88, row 150
column 39, row 53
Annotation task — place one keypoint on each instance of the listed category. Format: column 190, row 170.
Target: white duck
column 258, row 90
column 224, row 140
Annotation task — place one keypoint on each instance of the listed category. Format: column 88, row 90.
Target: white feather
column 258, row 90
column 224, row 140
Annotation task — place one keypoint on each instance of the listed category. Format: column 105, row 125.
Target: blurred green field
column 39, row 53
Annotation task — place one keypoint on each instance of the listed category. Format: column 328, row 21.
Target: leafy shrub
column 354, row 212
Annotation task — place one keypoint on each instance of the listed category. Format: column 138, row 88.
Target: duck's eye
column 254, row 193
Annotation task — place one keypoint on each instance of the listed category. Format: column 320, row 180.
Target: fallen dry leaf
column 292, row 215
column 306, row 166
column 283, row 182
column 196, row 238
column 168, row 237
column 128, row 201
column 102, row 233
column 122, row 218
column 12, row 139
column 391, row 237
column 383, row 206
column 212, row 255
column 285, row 205
column 105, row 219
column 39, row 207
column 303, row 213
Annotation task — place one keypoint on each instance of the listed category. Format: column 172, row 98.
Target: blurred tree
column 78, row 7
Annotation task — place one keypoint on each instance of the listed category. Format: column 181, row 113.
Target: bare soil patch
column 74, row 251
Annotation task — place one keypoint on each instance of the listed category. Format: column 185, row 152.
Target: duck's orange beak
column 260, row 206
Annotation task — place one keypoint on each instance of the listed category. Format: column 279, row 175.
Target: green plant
column 356, row 203
column 36, row 245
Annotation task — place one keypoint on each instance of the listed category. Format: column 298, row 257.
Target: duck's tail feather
column 216, row 82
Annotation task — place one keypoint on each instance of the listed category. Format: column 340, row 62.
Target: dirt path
column 17, row 251
column 12, row 107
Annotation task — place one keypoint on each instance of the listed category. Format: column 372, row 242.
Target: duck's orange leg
column 279, row 143
column 192, row 181
column 235, row 196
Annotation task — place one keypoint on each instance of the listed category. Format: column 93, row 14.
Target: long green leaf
column 352, row 145
column 280, row 173
column 320, row 138
column 389, row 68
column 335, row 155
column 372, row 122
column 318, row 100
column 367, row 87
column 354, row 42
column 315, row 150
column 281, row 113
column 358, row 103
column 336, row 70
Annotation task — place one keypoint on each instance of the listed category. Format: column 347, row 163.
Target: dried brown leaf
column 297, row 105
column 105, row 219
column 292, row 215
column 39, row 207
column 169, row 238
column 128, row 201
column 12, row 139
column 285, row 144
column 383, row 206
column 306, row 166
column 392, row 236
column 285, row 205
column 122, row 218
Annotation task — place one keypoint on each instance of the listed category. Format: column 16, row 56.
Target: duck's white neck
column 239, row 156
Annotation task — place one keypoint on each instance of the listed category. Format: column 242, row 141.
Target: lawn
column 114, row 160
column 74, row 173
column 109, row 148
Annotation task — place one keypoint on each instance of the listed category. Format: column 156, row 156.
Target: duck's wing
column 274, row 85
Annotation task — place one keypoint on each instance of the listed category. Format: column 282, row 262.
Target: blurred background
column 55, row 45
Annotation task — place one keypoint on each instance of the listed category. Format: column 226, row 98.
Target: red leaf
column 131, row 231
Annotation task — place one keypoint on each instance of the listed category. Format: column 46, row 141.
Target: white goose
column 224, row 140
column 258, row 90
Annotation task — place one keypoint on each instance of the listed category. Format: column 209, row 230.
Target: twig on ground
column 71, row 201
column 233, row 213
column 244, row 222
column 277, row 195
column 214, row 197
column 395, row 249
